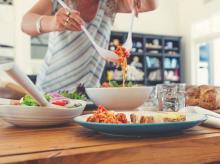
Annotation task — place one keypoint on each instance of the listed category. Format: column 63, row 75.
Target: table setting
column 126, row 118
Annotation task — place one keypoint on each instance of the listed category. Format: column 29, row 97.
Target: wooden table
column 74, row 144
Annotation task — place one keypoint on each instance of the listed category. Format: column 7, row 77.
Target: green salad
column 59, row 98
column 78, row 94
column 29, row 101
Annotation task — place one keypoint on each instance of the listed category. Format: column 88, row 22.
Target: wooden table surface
column 74, row 144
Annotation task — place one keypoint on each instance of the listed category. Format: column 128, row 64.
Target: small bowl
column 122, row 98
column 30, row 116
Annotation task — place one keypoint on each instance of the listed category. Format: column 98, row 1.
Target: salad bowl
column 36, row 116
column 120, row 98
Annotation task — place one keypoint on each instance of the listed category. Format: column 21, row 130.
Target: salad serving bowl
column 36, row 116
column 120, row 98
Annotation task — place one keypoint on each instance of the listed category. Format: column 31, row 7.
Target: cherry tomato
column 105, row 85
column 60, row 102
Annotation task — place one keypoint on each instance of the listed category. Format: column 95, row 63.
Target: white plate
column 27, row 116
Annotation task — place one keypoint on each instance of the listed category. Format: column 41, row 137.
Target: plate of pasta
column 138, row 123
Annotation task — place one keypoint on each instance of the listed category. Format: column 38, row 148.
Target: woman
column 71, row 58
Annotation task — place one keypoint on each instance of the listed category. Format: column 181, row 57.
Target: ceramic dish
column 29, row 116
column 127, row 98
column 141, row 129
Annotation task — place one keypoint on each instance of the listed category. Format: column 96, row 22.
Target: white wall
column 11, row 34
column 191, row 11
column 7, row 34
column 161, row 21
column 23, row 47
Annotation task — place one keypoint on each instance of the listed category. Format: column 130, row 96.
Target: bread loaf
column 192, row 96
column 204, row 96
column 218, row 97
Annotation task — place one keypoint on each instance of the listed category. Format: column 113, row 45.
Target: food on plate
column 29, row 101
column 204, row 96
column 145, row 118
column 102, row 115
column 173, row 117
column 78, row 94
column 53, row 98
column 58, row 98
column 137, row 118
column 114, row 84
column 123, row 55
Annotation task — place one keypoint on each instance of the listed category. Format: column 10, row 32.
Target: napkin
column 213, row 119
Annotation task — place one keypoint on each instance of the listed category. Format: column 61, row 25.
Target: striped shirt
column 71, row 59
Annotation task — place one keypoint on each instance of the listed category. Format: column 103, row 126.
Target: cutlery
column 128, row 43
column 14, row 72
column 106, row 54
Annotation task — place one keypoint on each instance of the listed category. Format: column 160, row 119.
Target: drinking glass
column 171, row 97
column 151, row 104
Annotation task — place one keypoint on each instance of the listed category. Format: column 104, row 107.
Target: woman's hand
column 64, row 20
column 136, row 6
column 126, row 6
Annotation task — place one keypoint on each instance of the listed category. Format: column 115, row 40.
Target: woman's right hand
column 64, row 20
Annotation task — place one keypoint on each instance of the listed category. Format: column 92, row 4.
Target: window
column 204, row 67
column 216, row 59
column 206, row 47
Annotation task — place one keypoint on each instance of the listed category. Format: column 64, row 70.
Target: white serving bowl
column 122, row 98
column 28, row 116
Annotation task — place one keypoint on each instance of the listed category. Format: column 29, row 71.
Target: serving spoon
column 106, row 54
column 15, row 73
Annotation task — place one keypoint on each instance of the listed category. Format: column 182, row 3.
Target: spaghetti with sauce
column 102, row 115
column 123, row 55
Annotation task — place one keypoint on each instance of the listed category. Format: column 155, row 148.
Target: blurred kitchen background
column 178, row 42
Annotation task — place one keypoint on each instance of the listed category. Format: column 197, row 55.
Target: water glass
column 171, row 97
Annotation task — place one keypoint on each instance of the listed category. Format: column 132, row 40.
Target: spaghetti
column 102, row 115
column 123, row 55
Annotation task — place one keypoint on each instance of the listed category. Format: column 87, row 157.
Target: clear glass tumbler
column 171, row 97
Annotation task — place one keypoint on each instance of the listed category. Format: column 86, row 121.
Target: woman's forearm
column 42, row 7
column 30, row 20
